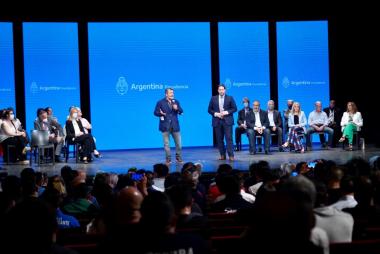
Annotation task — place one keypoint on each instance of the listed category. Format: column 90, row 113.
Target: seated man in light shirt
column 318, row 122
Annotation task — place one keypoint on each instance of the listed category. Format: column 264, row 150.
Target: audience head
column 158, row 214
column 128, row 204
column 160, row 170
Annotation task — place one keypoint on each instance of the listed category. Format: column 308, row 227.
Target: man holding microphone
column 168, row 109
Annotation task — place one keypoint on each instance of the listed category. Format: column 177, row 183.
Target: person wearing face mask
column 275, row 123
column 42, row 123
column 11, row 134
column 221, row 108
column 242, row 124
column 75, row 134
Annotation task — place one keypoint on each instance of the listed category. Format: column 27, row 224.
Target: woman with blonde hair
column 351, row 122
column 75, row 134
column 296, row 122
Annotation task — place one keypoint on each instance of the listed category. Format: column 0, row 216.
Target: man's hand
column 175, row 106
column 162, row 113
column 274, row 128
column 224, row 113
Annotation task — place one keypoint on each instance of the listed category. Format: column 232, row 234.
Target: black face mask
column 290, row 107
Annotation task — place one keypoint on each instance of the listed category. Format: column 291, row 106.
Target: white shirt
column 76, row 127
column 257, row 117
column 331, row 116
column 270, row 116
column 221, row 104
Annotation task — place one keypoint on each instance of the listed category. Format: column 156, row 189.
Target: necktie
column 221, row 104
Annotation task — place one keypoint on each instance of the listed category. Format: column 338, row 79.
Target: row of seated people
column 76, row 130
column 300, row 214
column 257, row 122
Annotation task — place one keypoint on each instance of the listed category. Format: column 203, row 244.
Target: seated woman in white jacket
column 296, row 122
column 351, row 122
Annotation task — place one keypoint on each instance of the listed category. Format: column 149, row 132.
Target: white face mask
column 11, row 116
column 246, row 104
column 45, row 120
column 75, row 115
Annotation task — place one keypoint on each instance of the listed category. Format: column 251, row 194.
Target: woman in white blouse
column 351, row 122
column 11, row 134
column 296, row 123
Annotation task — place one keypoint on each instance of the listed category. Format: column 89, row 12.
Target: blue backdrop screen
column 131, row 64
column 244, row 61
column 303, row 64
column 51, row 68
column 7, row 79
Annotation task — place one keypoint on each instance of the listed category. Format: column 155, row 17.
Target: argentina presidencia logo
column 285, row 82
column 122, row 86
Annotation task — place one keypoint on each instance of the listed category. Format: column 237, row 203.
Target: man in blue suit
column 222, row 107
column 168, row 109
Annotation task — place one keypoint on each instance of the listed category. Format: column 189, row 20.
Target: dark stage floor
column 120, row 161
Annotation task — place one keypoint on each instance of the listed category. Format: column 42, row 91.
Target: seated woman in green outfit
column 351, row 122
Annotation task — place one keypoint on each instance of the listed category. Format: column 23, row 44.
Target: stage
column 119, row 161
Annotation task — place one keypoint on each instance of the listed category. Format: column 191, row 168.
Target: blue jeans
column 311, row 130
column 177, row 141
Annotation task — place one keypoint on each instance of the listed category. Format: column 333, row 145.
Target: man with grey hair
column 275, row 123
column 318, row 122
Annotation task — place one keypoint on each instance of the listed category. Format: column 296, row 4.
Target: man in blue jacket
column 222, row 107
column 168, row 109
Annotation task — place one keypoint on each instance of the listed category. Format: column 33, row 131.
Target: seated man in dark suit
column 242, row 125
column 258, row 124
column 334, row 116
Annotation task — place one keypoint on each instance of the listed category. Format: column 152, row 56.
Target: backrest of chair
column 39, row 138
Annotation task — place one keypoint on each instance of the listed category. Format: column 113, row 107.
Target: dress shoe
column 222, row 158
column 99, row 155
column 179, row 160
column 232, row 158
column 168, row 161
column 342, row 139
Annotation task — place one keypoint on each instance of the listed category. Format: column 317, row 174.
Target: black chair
column 38, row 145
column 66, row 148
column 356, row 140
column 75, row 150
